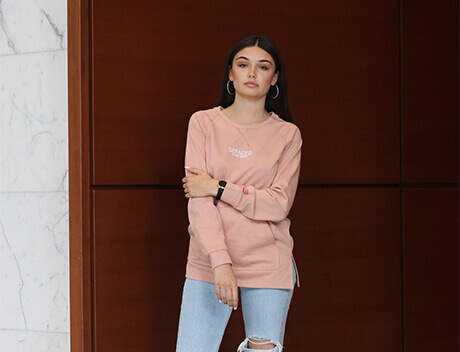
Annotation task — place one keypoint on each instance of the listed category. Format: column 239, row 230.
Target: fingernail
column 234, row 308
column 220, row 300
column 187, row 167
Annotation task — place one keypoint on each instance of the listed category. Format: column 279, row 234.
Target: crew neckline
column 219, row 109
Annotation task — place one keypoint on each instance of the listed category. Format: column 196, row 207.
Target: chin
column 252, row 96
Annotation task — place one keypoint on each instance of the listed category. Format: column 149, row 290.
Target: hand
column 225, row 283
column 200, row 184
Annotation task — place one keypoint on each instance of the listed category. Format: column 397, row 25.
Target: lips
column 251, row 84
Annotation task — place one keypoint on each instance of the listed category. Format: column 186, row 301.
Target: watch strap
column 221, row 184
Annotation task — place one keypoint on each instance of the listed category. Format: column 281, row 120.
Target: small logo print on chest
column 239, row 153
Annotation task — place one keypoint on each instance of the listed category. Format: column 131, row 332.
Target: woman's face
column 253, row 64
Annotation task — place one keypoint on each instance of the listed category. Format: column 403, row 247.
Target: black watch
column 221, row 184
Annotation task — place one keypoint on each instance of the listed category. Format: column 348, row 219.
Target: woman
column 242, row 170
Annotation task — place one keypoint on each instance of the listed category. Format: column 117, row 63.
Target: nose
column 251, row 72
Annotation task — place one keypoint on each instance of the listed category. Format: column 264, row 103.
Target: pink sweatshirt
column 248, row 227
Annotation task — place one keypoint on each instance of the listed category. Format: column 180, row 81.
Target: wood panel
column 347, row 248
column 140, row 251
column 431, row 269
column 347, row 244
column 430, row 91
column 155, row 65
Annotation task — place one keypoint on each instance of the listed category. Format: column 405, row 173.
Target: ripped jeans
column 203, row 318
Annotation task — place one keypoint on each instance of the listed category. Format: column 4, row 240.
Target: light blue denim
column 203, row 318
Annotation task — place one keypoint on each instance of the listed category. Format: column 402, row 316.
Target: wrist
column 214, row 187
column 223, row 265
column 221, row 187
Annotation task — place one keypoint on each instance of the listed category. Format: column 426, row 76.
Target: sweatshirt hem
column 241, row 283
column 296, row 271
column 270, row 278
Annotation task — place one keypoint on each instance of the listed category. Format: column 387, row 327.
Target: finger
column 216, row 288
column 235, row 297
column 230, row 297
column 224, row 295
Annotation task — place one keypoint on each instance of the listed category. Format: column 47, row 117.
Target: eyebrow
column 244, row 57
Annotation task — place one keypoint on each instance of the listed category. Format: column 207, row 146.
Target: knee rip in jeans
column 244, row 346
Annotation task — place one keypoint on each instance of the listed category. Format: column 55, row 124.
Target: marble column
column 34, row 211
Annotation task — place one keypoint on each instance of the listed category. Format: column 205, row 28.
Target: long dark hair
column 280, row 105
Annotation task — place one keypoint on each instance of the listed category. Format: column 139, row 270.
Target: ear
column 230, row 74
column 275, row 78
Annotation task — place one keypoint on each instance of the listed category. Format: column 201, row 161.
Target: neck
column 248, row 111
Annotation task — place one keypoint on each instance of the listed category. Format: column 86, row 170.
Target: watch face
column 222, row 183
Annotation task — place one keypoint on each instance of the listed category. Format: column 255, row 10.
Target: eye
column 265, row 68
column 241, row 65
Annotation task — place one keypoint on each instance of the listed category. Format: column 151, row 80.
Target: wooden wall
column 374, row 89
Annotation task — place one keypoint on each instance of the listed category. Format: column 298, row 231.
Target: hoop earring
column 277, row 92
column 228, row 90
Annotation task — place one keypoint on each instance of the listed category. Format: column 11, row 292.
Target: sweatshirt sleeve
column 204, row 217
column 275, row 202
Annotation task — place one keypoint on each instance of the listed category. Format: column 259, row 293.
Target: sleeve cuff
column 219, row 257
column 232, row 194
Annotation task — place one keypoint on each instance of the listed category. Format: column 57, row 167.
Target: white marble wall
column 34, row 211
